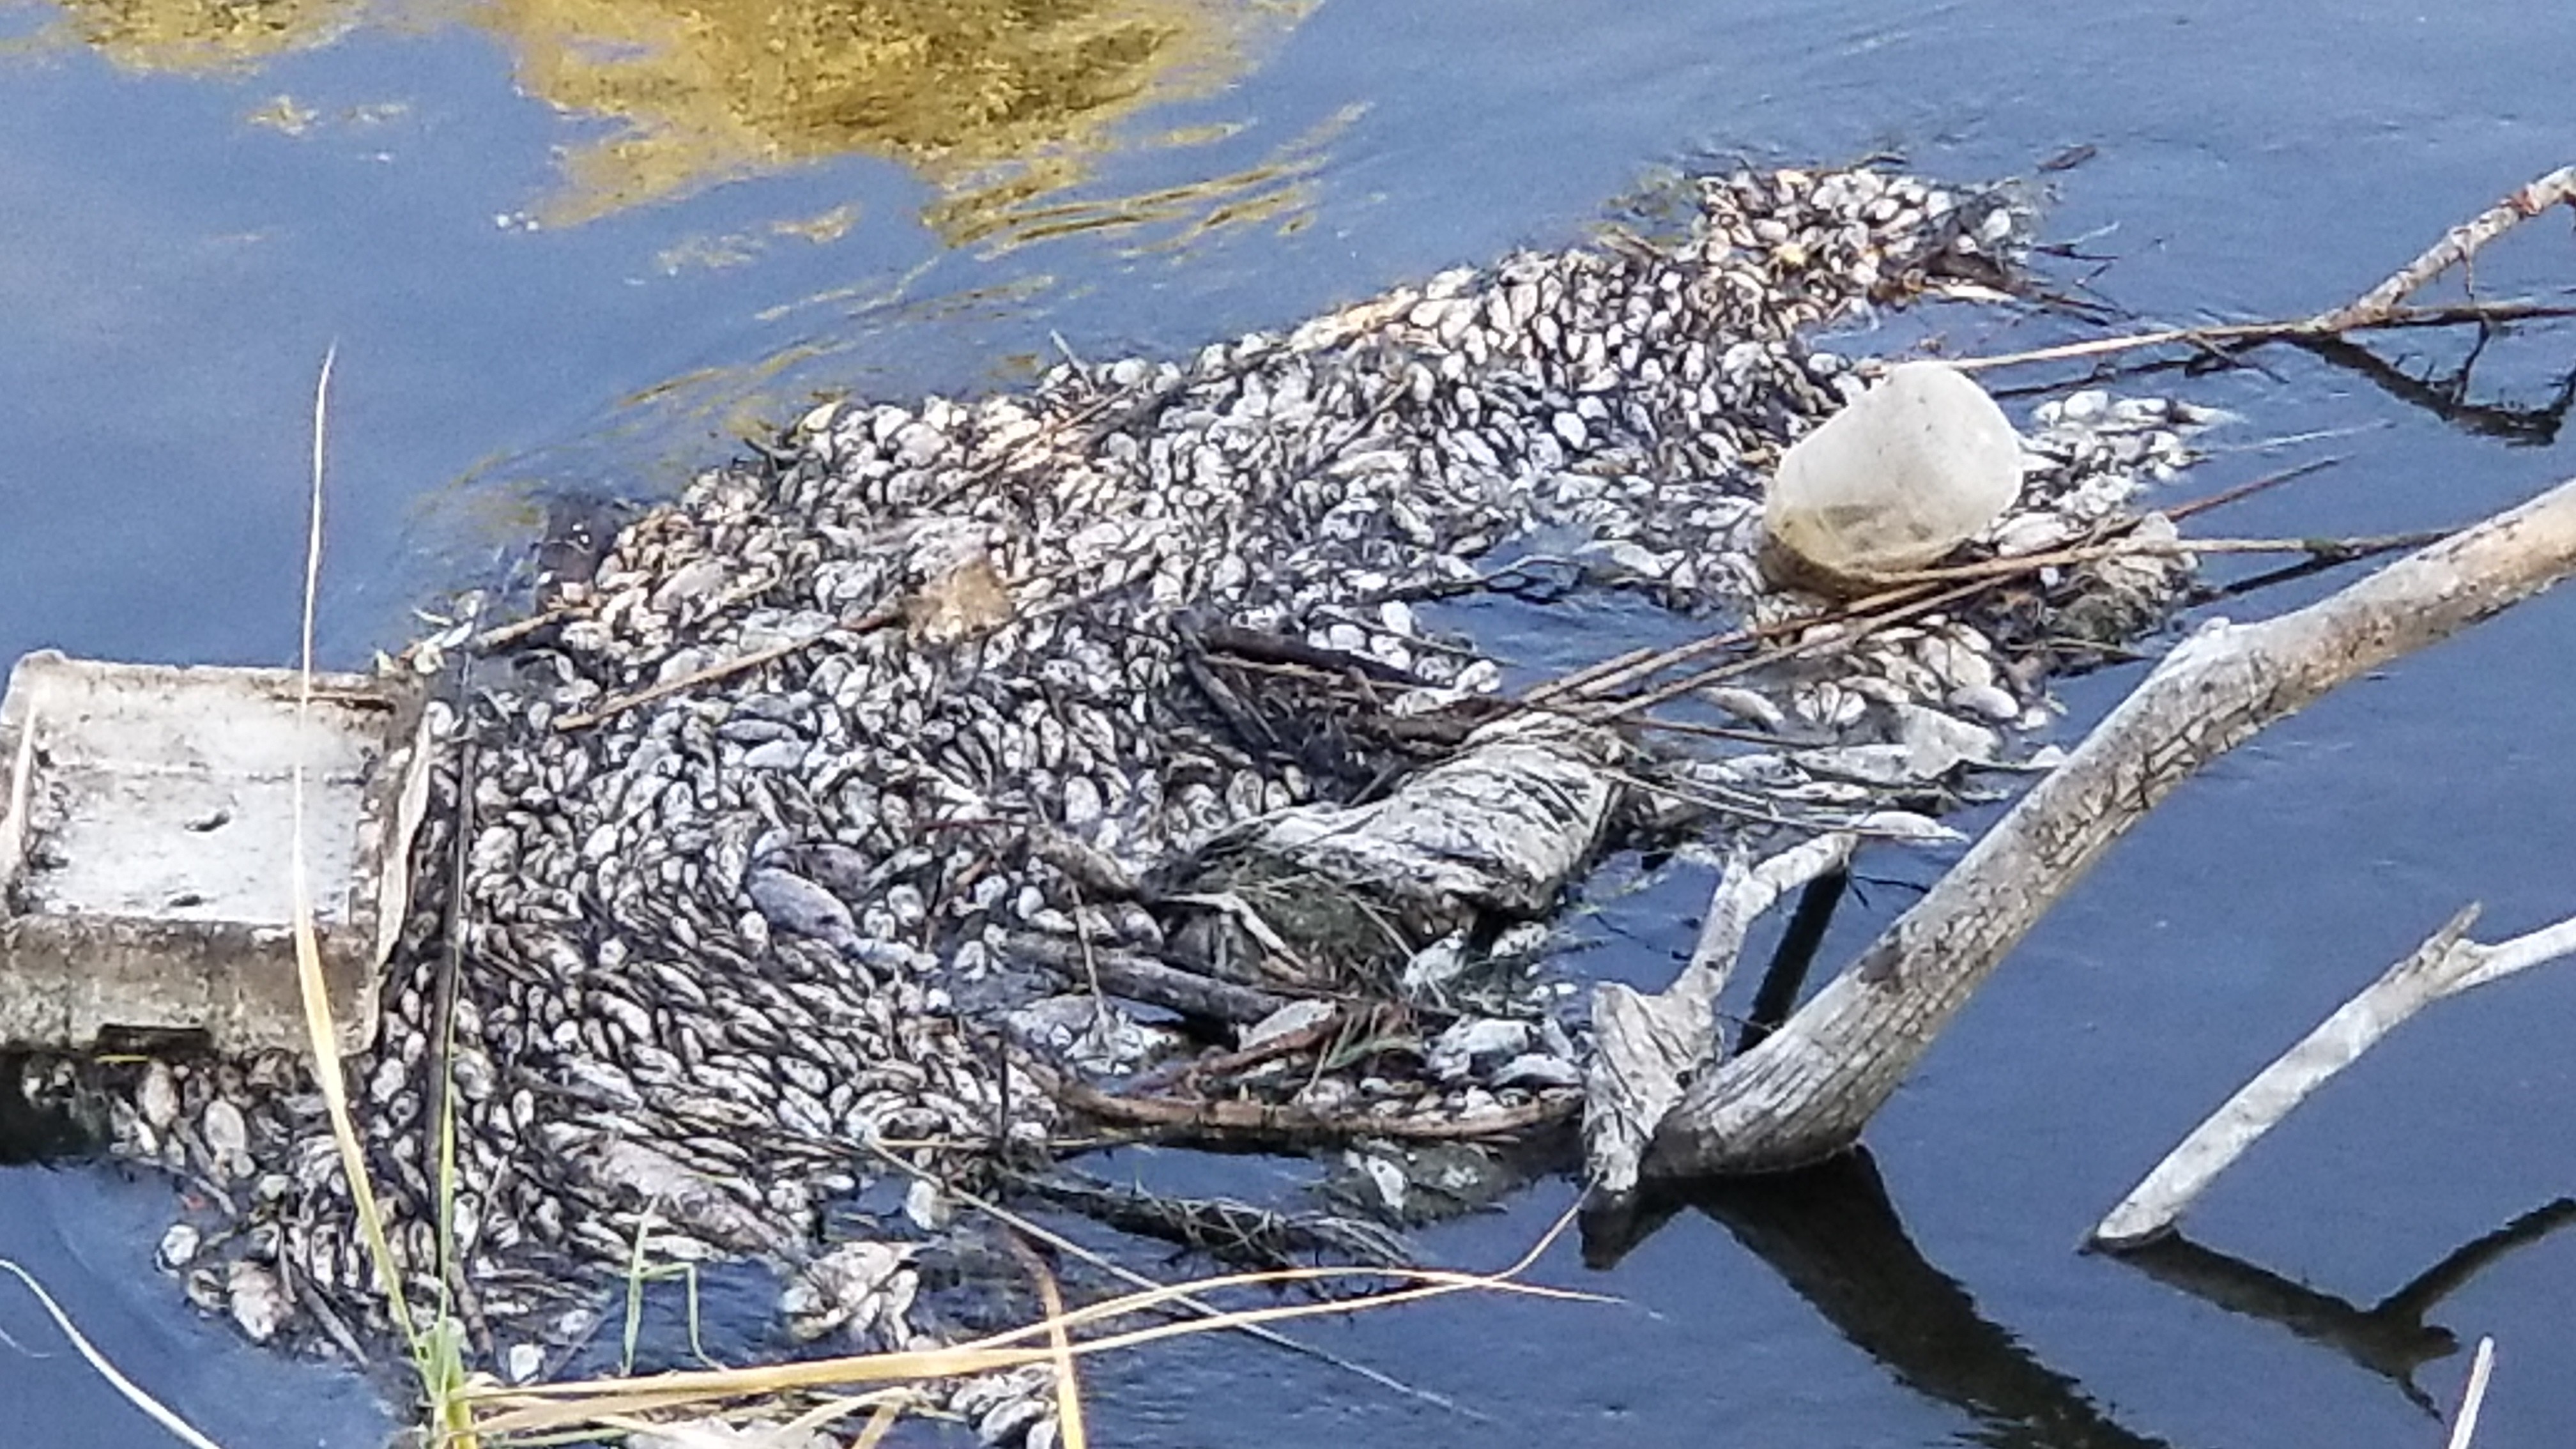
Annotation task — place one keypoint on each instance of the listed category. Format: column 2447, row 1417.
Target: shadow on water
column 1834, row 1237
column 2446, row 395
column 2389, row 1338
column 36, row 1133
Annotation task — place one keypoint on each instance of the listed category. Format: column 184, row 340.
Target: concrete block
column 145, row 841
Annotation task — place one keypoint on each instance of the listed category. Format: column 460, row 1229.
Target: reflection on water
column 1832, row 1234
column 1002, row 104
column 992, row 99
column 202, row 35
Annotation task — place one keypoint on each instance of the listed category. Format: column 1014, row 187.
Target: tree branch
column 2445, row 965
column 1807, row 1091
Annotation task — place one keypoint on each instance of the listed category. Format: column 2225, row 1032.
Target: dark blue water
column 171, row 270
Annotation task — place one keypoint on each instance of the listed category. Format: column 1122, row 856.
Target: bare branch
column 2456, row 246
column 1807, row 1091
column 1647, row 1048
column 2445, row 965
column 2381, row 306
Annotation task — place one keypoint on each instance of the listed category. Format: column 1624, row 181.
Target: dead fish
column 790, row 902
column 846, row 872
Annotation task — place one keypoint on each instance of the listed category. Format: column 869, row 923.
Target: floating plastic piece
column 1918, row 465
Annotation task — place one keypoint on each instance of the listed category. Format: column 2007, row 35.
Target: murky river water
column 569, row 247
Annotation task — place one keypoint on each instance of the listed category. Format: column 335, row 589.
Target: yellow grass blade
column 880, row 1424
column 551, row 1406
column 330, row 1074
column 1068, row 1388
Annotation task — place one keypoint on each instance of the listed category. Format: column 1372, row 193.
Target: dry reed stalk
column 132, row 1392
column 551, row 1408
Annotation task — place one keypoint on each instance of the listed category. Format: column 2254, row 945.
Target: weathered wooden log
column 1646, row 1047
column 1807, row 1091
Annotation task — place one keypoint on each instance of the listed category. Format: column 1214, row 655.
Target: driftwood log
column 1806, row 1092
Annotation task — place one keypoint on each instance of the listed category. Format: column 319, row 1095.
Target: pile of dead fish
column 793, row 840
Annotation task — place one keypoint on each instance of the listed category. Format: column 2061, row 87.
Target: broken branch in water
column 2454, row 249
column 2222, row 335
column 2381, row 306
column 1647, row 1048
column 2220, row 499
column 2447, row 964
column 1227, row 1117
column 1807, row 1091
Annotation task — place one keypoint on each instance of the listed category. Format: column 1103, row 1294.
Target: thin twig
column 2182, row 512
column 877, row 618
column 518, row 629
column 2381, row 306
column 1919, row 604
column 2220, row 336
column 1597, row 680
column 2339, row 549
column 1199, row 1306
column 2456, row 246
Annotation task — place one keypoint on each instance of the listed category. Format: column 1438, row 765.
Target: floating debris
column 859, row 801
column 146, row 816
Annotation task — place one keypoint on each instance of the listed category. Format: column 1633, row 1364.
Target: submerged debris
column 820, row 821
